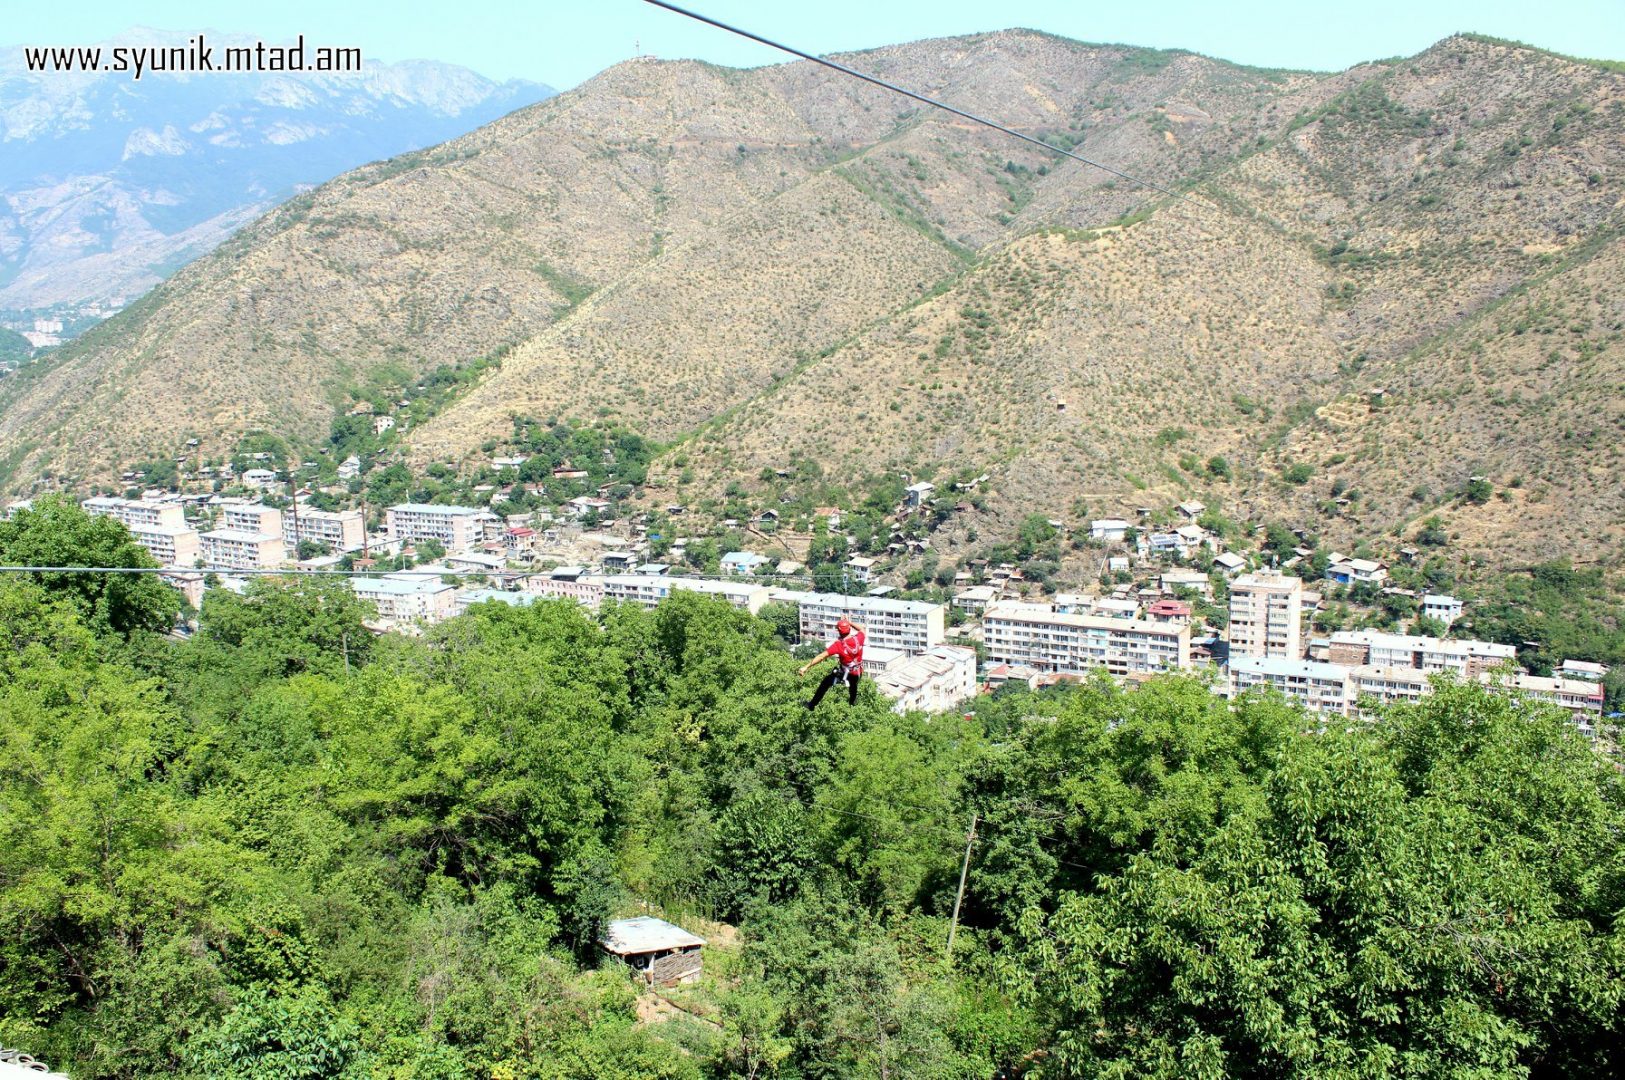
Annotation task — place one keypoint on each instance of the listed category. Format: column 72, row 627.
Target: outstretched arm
column 810, row 664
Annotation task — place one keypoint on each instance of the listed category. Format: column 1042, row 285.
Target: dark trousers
column 835, row 676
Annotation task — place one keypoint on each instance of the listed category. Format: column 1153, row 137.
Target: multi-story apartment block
column 1321, row 687
column 252, row 518
column 587, row 592
column 190, row 586
column 1266, row 615
column 341, row 530
column 138, row 512
column 1582, row 699
column 169, row 544
column 909, row 626
column 1039, row 637
column 650, row 589
column 413, row 600
column 232, row 549
column 1375, row 648
column 938, row 679
column 1388, row 685
column 457, row 527
column 466, row 600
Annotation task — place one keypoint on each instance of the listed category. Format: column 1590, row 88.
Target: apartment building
column 135, row 512
column 171, row 545
column 465, row 600
column 252, row 518
column 1582, row 699
column 650, row 589
column 1039, row 637
column 941, row 678
column 1376, row 648
column 421, row 600
column 458, row 528
column 1320, row 687
column 340, row 530
column 909, row 626
column 587, row 592
column 233, row 549
column 189, row 584
column 1389, row 685
column 1266, row 616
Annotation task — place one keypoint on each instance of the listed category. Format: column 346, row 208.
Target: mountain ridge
column 700, row 250
column 110, row 183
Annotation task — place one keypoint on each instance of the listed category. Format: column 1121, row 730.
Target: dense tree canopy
column 56, row 532
column 286, row 848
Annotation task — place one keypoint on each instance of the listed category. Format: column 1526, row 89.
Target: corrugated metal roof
column 646, row 934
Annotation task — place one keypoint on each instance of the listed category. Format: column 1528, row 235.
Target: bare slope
column 1426, row 230
column 484, row 242
column 780, row 260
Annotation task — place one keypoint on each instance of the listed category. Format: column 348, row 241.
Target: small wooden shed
column 657, row 950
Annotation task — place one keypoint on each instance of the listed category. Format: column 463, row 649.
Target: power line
column 248, row 573
column 894, row 88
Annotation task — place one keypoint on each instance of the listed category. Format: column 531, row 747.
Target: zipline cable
column 933, row 102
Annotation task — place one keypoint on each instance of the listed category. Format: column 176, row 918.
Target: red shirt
column 849, row 651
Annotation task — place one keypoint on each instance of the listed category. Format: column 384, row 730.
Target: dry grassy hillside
column 485, row 242
column 782, row 260
column 1529, row 395
column 1424, row 230
column 1057, row 363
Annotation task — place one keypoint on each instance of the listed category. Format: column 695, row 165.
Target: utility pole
column 964, row 871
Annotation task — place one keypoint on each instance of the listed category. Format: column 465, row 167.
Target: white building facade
column 909, row 626
column 1266, row 616
column 1039, row 637
column 941, row 678
column 457, row 528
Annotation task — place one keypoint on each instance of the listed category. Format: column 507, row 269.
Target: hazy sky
column 563, row 43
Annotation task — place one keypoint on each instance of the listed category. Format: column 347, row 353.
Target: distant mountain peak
column 183, row 159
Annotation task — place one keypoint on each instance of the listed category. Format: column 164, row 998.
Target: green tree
column 784, row 619
column 1364, row 896
column 56, row 532
column 286, row 626
column 269, row 1036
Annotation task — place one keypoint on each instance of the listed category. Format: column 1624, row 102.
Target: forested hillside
column 285, row 848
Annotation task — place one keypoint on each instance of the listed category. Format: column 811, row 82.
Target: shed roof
column 646, row 934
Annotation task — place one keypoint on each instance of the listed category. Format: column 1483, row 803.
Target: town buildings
column 234, row 549
column 908, row 626
column 420, row 600
column 1266, row 616
column 1316, row 686
column 170, row 545
column 137, row 512
column 251, row 518
column 941, row 678
column 1039, row 637
column 340, row 530
column 1356, row 648
column 650, row 589
column 457, row 528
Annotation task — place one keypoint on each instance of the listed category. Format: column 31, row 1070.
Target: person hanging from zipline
column 847, row 649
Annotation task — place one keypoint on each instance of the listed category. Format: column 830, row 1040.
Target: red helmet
column 844, row 626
